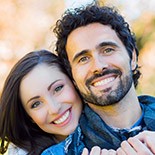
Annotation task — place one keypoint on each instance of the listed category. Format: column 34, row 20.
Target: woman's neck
column 59, row 138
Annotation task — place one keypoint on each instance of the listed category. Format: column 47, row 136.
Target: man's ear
column 134, row 60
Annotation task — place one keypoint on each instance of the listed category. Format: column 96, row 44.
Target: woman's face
column 50, row 99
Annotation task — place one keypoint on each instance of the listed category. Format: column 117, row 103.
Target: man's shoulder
column 148, row 102
column 146, row 99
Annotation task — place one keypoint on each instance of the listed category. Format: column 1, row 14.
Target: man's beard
column 112, row 97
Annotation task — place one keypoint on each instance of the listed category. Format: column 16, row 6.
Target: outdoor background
column 26, row 25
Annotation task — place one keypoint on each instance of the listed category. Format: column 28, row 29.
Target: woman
column 39, row 105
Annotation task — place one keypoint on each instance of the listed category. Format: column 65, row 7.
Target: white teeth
column 103, row 82
column 63, row 118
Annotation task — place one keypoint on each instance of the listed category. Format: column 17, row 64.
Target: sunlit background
column 26, row 25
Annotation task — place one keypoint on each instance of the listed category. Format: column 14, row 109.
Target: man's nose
column 99, row 64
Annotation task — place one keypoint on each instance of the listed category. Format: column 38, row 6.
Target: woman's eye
column 57, row 89
column 35, row 104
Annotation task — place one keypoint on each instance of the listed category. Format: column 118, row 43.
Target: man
column 100, row 53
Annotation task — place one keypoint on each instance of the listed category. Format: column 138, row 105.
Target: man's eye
column 35, row 104
column 59, row 88
column 108, row 50
column 83, row 59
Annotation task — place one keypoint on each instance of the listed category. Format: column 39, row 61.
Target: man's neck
column 120, row 115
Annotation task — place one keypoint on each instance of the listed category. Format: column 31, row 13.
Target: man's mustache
column 105, row 72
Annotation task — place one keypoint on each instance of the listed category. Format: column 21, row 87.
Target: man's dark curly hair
column 93, row 13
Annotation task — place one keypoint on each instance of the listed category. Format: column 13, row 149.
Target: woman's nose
column 53, row 106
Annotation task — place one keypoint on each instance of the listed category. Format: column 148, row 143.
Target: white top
column 14, row 150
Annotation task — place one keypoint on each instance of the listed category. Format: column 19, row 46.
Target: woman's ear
column 134, row 60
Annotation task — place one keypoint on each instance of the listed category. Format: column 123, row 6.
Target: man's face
column 100, row 64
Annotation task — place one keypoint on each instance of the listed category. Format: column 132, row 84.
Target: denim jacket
column 62, row 148
column 74, row 143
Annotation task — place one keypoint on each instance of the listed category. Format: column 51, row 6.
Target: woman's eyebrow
column 35, row 97
column 49, row 87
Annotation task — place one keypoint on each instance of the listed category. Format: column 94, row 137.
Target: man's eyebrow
column 79, row 54
column 102, row 44
column 108, row 43
column 75, row 57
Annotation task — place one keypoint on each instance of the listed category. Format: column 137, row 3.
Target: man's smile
column 103, row 82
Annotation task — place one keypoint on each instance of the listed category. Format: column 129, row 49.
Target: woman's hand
column 141, row 144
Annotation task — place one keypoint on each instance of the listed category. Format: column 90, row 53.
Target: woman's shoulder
column 57, row 149
column 63, row 147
